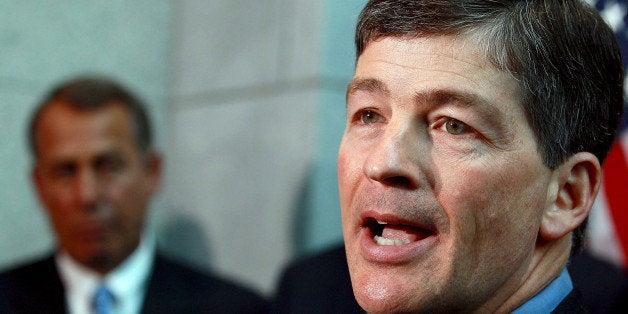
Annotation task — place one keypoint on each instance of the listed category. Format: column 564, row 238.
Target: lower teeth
column 386, row 241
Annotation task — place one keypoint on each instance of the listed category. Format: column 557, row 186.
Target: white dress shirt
column 128, row 282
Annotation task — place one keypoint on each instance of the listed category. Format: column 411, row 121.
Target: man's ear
column 575, row 184
column 153, row 170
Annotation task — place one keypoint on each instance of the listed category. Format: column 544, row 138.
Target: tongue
column 401, row 232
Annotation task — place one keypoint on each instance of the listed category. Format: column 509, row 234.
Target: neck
column 547, row 262
column 106, row 261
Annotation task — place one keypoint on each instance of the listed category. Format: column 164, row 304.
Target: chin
column 101, row 258
column 388, row 306
column 378, row 292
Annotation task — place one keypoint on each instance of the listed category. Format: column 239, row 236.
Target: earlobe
column 575, row 185
column 154, row 165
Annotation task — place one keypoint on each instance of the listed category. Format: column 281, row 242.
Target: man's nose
column 395, row 160
column 87, row 188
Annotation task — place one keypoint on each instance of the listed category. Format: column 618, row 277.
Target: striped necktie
column 104, row 301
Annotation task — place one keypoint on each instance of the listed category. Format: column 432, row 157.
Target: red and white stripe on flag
column 608, row 221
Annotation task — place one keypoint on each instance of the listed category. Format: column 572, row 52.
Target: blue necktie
column 104, row 301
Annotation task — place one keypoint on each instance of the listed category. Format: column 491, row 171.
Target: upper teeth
column 387, row 241
column 381, row 222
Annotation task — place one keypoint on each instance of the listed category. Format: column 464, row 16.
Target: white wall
column 242, row 119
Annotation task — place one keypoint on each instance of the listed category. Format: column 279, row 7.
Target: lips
column 385, row 233
column 391, row 239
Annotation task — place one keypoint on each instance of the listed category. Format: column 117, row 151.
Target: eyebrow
column 460, row 98
column 367, row 85
column 435, row 97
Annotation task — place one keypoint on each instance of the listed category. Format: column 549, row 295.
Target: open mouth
column 393, row 234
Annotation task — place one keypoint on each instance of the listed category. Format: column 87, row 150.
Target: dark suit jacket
column 603, row 285
column 318, row 284
column 4, row 303
column 172, row 288
column 572, row 303
column 321, row 284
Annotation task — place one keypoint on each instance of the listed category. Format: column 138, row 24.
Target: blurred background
column 247, row 100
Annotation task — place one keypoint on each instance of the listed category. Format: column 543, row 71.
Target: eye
column 456, row 127
column 109, row 164
column 64, row 170
column 370, row 116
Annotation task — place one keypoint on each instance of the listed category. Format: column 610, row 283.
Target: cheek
column 129, row 197
column 134, row 192
column 59, row 205
column 493, row 204
column 344, row 186
column 128, row 188
column 347, row 173
column 342, row 165
column 56, row 195
column 349, row 177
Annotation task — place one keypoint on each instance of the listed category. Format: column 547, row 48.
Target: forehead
column 436, row 65
column 63, row 129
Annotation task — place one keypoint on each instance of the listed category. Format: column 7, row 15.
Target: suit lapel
column 155, row 299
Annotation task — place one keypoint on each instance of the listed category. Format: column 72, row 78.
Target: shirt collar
column 550, row 297
column 127, row 281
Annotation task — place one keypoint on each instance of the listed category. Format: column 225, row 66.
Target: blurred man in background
column 95, row 171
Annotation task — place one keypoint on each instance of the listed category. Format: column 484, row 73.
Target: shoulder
column 318, row 283
column 189, row 290
column 600, row 283
column 33, row 287
column 30, row 273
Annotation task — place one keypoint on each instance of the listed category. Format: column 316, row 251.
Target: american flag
column 608, row 225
